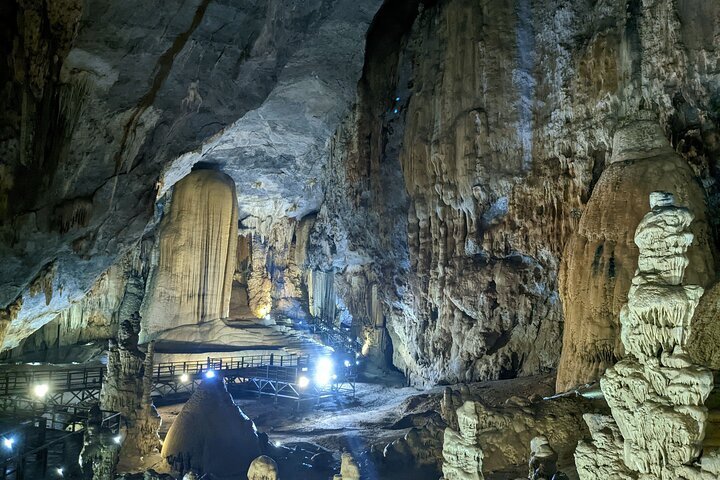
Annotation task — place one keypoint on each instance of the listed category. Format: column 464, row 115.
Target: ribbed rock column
column 657, row 394
column 599, row 259
column 197, row 247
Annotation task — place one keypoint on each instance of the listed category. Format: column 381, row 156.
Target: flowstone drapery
column 657, row 394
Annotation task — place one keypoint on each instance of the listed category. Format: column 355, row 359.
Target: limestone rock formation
column 99, row 454
column 94, row 115
column 349, row 468
column 462, row 456
column 196, row 259
column 657, row 394
column 505, row 430
column 603, row 456
column 211, row 435
column 704, row 336
column 127, row 388
column 543, row 461
column 600, row 258
column 263, row 468
column 499, row 153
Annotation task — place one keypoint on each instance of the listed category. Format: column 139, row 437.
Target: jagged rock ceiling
column 253, row 88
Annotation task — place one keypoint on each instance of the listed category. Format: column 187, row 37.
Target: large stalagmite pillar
column 600, row 258
column 197, row 247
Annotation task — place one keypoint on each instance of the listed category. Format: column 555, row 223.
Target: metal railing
column 30, row 440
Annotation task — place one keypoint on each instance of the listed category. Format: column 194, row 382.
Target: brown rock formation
column 600, row 258
column 211, row 435
column 197, row 248
column 702, row 346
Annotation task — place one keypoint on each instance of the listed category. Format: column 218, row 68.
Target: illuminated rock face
column 349, row 468
column 599, row 260
column 263, row 468
column 657, row 394
column 196, row 254
column 462, row 456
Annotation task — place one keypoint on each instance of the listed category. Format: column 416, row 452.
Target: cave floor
column 381, row 412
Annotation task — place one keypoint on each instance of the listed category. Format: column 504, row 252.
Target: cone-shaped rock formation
column 212, row 435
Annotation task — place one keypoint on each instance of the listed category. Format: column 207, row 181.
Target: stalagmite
column 657, row 394
column 263, row 468
column 127, row 390
column 600, row 257
column 211, row 435
column 349, row 468
column 259, row 282
column 543, row 461
column 462, row 456
column 197, row 247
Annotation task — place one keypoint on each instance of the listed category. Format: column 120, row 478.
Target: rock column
column 656, row 394
column 127, row 391
column 462, row 456
column 196, row 255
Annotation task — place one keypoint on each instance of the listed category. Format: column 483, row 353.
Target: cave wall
column 106, row 105
column 497, row 118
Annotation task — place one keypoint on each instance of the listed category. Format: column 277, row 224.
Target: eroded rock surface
column 657, row 394
column 600, row 258
column 126, row 98
column 499, row 120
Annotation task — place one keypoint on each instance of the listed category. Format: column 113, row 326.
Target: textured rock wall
column 98, row 122
column 501, row 117
column 197, row 244
column 94, row 317
column 276, row 278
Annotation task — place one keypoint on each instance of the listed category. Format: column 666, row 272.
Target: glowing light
column 209, row 374
column 347, row 364
column 61, row 471
column 184, row 378
column 8, row 443
column 117, row 439
column 278, row 444
column 395, row 110
column 303, row 381
column 41, row 390
column 324, row 370
column 397, row 99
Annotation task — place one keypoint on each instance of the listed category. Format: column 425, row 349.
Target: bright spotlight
column 184, row 378
column 41, row 390
column 8, row 442
column 324, row 370
column 347, row 364
column 210, row 374
column 61, row 471
column 117, row 439
column 278, row 444
column 303, row 381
